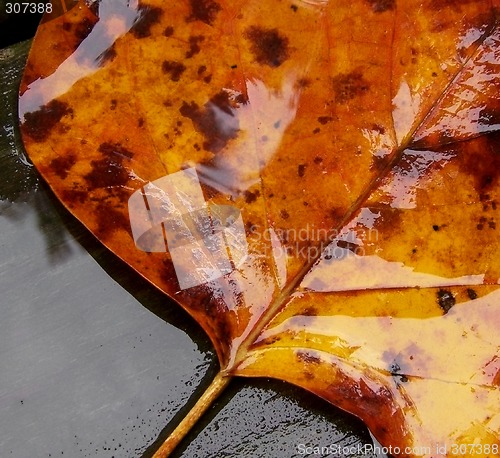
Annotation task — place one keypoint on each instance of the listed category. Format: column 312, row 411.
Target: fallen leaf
column 315, row 182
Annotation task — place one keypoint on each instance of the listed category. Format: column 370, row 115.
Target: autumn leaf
column 315, row 182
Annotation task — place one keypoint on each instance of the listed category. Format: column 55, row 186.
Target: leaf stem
column 213, row 391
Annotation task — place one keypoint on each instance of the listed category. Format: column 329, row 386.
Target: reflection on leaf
column 364, row 166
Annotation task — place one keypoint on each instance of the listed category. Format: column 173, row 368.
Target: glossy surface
column 364, row 167
column 95, row 361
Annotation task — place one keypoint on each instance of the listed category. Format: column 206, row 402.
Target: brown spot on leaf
column 148, row 16
column 169, row 31
column 445, row 299
column 38, row 124
column 303, row 83
column 109, row 220
column 301, row 170
column 471, row 293
column 216, row 121
column 241, row 99
column 194, row 45
column 489, row 116
column 304, row 357
column 336, row 214
column 324, row 119
column 268, row 46
column 62, row 165
column 284, row 214
column 380, row 6
column 74, row 197
column 115, row 149
column 166, row 271
column 250, row 196
column 344, row 244
column 174, row 69
column 310, row 311
column 348, row 86
column 308, row 375
column 109, row 171
column 83, row 29
column 390, row 220
column 375, row 403
column 481, row 159
column 204, row 11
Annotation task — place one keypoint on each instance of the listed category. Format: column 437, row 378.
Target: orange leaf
column 315, row 182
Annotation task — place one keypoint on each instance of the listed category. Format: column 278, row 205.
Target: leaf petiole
column 213, row 391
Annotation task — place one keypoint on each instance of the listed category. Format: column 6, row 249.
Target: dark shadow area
column 19, row 177
column 16, row 27
column 145, row 293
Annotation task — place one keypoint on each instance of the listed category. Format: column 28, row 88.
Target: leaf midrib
column 286, row 293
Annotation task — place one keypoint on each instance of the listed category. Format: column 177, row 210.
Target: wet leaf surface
column 321, row 199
